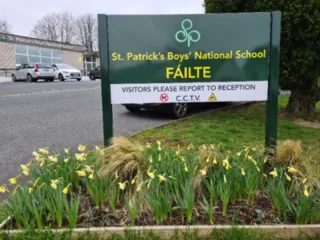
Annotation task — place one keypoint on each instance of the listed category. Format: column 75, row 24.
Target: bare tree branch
column 4, row 27
column 87, row 30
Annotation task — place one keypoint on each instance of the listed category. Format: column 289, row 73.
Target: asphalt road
column 57, row 115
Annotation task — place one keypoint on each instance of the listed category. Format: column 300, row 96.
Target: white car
column 31, row 72
column 64, row 71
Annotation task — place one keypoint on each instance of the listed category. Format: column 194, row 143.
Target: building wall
column 72, row 58
column 7, row 55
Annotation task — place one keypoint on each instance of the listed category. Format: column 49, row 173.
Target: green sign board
column 189, row 58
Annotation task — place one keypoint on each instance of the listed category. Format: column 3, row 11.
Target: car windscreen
column 44, row 66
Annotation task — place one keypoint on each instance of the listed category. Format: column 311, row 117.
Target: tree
column 300, row 45
column 4, row 27
column 87, row 30
column 56, row 27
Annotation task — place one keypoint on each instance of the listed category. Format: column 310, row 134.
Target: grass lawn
column 243, row 126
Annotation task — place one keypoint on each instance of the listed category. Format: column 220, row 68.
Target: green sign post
column 190, row 58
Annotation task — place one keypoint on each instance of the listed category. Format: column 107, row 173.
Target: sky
column 23, row 15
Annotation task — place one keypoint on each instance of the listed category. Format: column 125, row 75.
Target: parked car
column 64, row 71
column 176, row 110
column 32, row 72
column 95, row 74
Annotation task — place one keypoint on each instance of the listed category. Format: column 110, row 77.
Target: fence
column 6, row 72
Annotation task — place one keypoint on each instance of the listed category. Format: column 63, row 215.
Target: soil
column 315, row 124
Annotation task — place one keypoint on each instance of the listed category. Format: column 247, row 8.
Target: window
column 26, row 54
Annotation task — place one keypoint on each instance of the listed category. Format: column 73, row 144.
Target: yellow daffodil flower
column 225, row 162
column 182, row 158
column 122, row 186
column 159, row 158
column 158, row 142
column 148, row 145
column 228, row 166
column 159, row 145
column 139, row 187
column 151, row 174
column 203, row 172
column 43, row 151
column 292, row 170
column 304, row 181
column 249, row 157
column 208, row 159
column 204, row 147
column 66, row 189
column 133, row 181
column 288, row 177
column 80, row 156
column 274, row 173
column 53, row 159
column 243, row 173
column 35, row 154
column 25, row 169
column 149, row 183
column 150, row 159
column 30, row 189
column 66, row 160
column 39, row 158
column 66, row 150
column 186, row 168
column 239, row 153
column 88, row 169
column 91, row 176
column 3, row 189
column 162, row 178
column 14, row 181
column 306, row 192
column 81, row 173
column 190, row 147
column 54, row 183
column 82, row 148
column 117, row 176
column 212, row 146
column 224, row 179
column 41, row 163
column 265, row 160
column 215, row 161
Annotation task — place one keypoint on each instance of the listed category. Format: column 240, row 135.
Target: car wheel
column 78, row 79
column 179, row 110
column 133, row 109
column 14, row 79
column 92, row 78
column 29, row 78
column 61, row 78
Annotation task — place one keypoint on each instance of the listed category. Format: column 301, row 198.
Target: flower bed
column 130, row 184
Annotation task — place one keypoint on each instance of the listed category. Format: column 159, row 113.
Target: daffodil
column 91, row 176
column 80, row 156
column 178, row 151
column 139, row 187
column 54, row 183
column 243, row 172
column 66, row 150
column 159, row 145
column 3, row 189
column 39, row 158
column 224, row 179
column 133, row 181
column 82, row 148
column 274, row 173
column 53, row 158
column 159, row 158
column 25, row 169
column 239, row 153
column 43, row 151
column 162, row 178
column 306, row 192
column 116, row 176
column 225, row 162
column 215, row 161
column 212, row 146
column 203, row 172
column 81, row 173
column 288, row 177
column 208, row 159
column 265, row 160
column 249, row 157
column 186, row 168
column 122, row 186
column 148, row 185
column 30, row 189
column 150, row 159
column 150, row 174
column 66, row 160
column 182, row 158
column 13, row 181
column 203, row 147
column 88, row 169
column 304, row 181
column 66, row 189
column 190, row 147
column 292, row 170
column 35, row 154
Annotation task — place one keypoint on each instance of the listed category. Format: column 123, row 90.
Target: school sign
column 189, row 58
